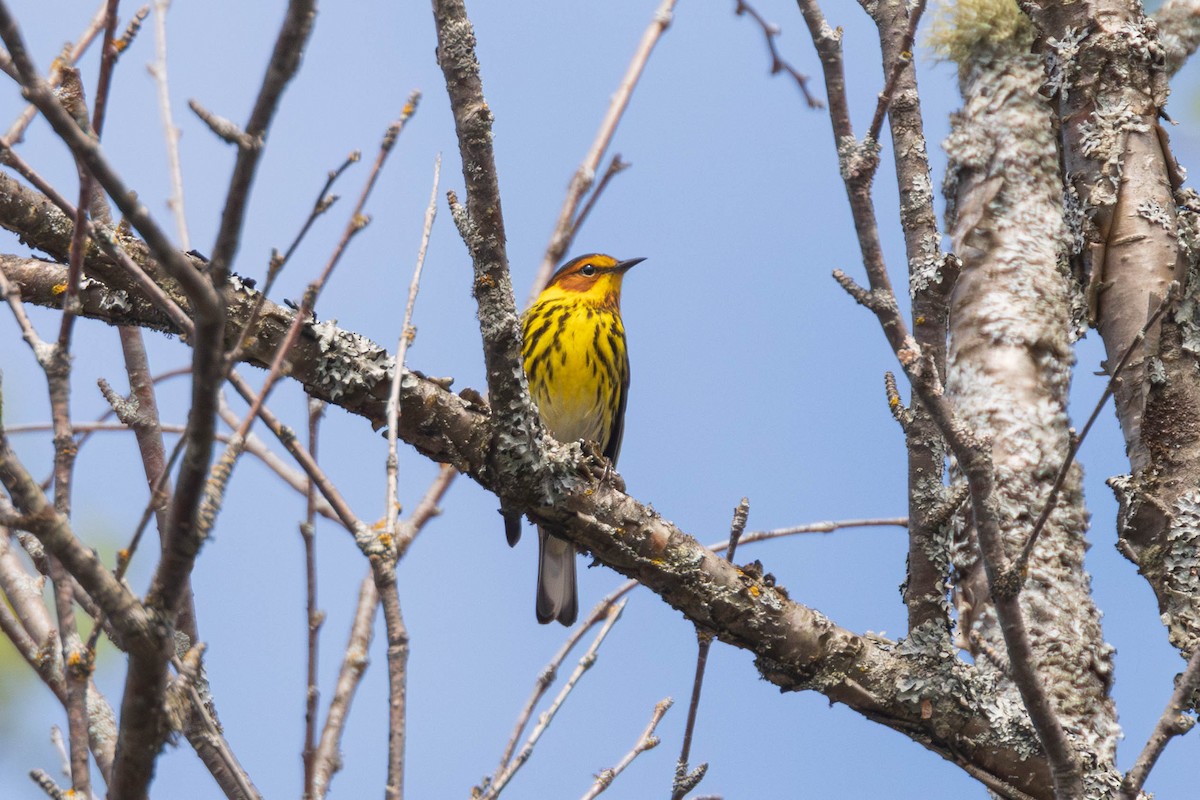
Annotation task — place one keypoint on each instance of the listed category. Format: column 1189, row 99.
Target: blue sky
column 753, row 374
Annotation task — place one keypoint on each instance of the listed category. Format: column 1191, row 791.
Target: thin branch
column 77, row 667
column 141, row 414
column 16, row 131
column 171, row 133
column 322, row 204
column 565, row 227
column 770, row 32
column 1175, row 721
column 492, row 790
column 407, row 334
column 314, row 617
column 615, row 167
column 326, row 760
column 903, row 60
column 685, row 779
column 225, row 129
column 600, row 613
column 1022, row 562
column 47, row 784
column 54, row 532
column 384, row 566
column 647, row 741
column 222, row 470
column 284, row 64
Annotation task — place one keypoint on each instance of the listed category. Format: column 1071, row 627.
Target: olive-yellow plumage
column 578, row 369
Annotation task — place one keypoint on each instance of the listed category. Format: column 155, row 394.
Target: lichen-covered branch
column 931, row 276
column 517, row 429
column 1135, row 233
column 1011, row 335
column 943, row 705
column 858, row 161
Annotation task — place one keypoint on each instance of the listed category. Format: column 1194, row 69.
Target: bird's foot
column 597, row 468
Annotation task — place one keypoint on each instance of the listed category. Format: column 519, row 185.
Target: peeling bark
column 1107, row 71
column 1009, row 370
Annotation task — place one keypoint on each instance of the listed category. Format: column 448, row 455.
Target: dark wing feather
column 612, row 448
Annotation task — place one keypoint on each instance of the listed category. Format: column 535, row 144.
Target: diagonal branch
column 797, row 648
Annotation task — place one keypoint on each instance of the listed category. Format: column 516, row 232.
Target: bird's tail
column 556, row 597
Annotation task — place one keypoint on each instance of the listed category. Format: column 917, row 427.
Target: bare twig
column 647, row 741
column 1174, row 721
column 326, row 760
column 904, row 59
column 225, row 129
column 17, row 130
column 384, row 565
column 322, row 204
column 158, row 70
column 778, row 65
column 77, row 666
column 313, row 616
column 685, row 780
column 564, row 228
column 407, row 333
column 493, row 788
column 47, row 784
column 615, row 167
column 222, row 470
column 599, row 613
column 284, row 64
column 1022, row 562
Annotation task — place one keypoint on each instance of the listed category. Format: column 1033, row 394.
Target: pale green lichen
column 116, row 300
column 960, row 30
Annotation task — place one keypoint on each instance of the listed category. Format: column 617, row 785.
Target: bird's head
column 595, row 278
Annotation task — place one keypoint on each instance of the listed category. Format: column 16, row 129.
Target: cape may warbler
column 578, row 370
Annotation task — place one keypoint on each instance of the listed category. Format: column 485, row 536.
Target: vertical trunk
column 1012, row 324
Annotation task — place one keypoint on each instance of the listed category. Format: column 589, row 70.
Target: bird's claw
column 597, row 468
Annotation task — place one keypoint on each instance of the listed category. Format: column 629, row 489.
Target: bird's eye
column 587, row 270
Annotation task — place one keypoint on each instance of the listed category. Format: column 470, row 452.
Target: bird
column 575, row 360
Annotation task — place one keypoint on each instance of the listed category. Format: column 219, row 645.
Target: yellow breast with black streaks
column 574, row 356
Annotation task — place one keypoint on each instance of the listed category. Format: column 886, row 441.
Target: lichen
column 1102, row 138
column 926, row 271
column 1062, row 61
column 1187, row 315
column 961, row 30
column 1155, row 213
column 115, row 300
column 1181, row 566
column 855, row 158
column 349, row 362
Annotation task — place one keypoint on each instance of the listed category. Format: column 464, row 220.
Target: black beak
column 624, row 265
